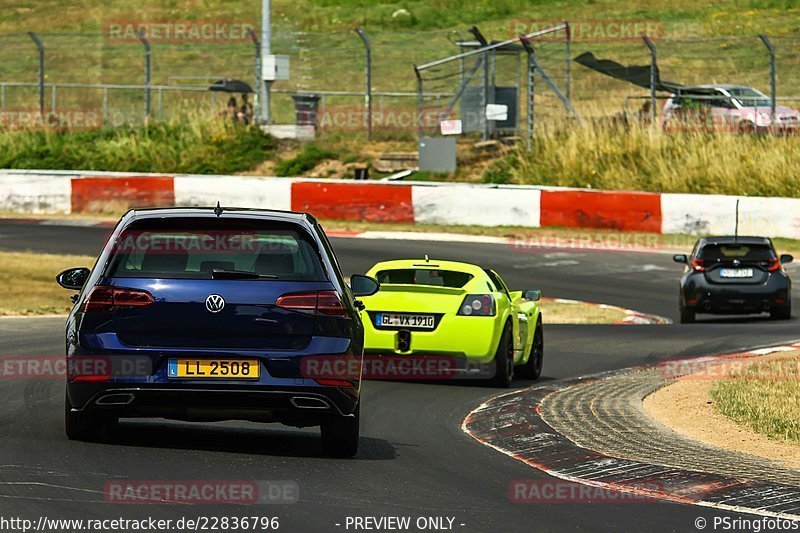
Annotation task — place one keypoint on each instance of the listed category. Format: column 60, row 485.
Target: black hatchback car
column 205, row 315
column 734, row 275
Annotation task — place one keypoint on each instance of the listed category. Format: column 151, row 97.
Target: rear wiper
column 239, row 274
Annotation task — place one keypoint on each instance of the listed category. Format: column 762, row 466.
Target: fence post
column 420, row 98
column 772, row 88
column 254, row 38
column 531, row 88
column 368, row 93
column 105, row 105
column 40, row 47
column 568, row 46
column 140, row 34
column 653, row 73
column 53, row 97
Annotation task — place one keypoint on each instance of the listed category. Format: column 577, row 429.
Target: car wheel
column 532, row 369
column 781, row 313
column 504, row 361
column 687, row 316
column 340, row 435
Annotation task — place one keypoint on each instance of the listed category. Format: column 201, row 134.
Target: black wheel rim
column 538, row 347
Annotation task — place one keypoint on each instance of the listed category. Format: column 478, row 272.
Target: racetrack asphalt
column 414, row 459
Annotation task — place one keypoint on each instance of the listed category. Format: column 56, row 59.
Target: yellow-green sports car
column 445, row 308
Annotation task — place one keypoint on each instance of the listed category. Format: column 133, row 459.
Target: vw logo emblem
column 215, row 303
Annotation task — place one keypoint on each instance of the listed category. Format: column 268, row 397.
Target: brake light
column 325, row 303
column 773, row 265
column 334, row 382
column 477, row 305
column 103, row 298
column 698, row 265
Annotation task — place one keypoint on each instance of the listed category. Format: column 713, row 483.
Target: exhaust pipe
column 115, row 399
column 308, row 402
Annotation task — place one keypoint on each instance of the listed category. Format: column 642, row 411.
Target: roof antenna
column 426, row 259
column 218, row 209
column 736, row 227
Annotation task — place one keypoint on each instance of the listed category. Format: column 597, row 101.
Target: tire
column 532, row 369
column 781, row 313
column 340, row 435
column 504, row 361
column 687, row 316
column 80, row 425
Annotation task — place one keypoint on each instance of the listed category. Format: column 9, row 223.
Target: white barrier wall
column 35, row 193
column 55, row 192
column 716, row 214
column 234, row 191
column 476, row 205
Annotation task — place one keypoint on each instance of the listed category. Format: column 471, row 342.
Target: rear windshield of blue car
column 189, row 248
column 742, row 252
column 424, row 276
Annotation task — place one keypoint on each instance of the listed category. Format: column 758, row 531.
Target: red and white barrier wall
column 54, row 192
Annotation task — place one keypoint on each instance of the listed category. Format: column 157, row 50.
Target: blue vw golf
column 216, row 314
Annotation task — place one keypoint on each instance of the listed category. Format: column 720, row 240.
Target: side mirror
column 363, row 285
column 787, row 258
column 532, row 295
column 680, row 258
column 73, row 278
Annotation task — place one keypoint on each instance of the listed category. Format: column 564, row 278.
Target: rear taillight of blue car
column 321, row 303
column 104, row 298
column 477, row 305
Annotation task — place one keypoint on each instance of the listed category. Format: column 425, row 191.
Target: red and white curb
column 510, row 424
column 444, row 203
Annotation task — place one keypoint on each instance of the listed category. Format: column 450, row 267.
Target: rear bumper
column 134, row 382
column 472, row 337
column 298, row 406
column 704, row 297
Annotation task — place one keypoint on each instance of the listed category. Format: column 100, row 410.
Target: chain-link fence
column 354, row 74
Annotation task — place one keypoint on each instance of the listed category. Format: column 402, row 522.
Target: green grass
column 31, row 287
column 307, row 159
column 191, row 145
column 764, row 397
column 647, row 159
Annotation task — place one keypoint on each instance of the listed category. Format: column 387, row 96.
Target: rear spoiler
column 413, row 287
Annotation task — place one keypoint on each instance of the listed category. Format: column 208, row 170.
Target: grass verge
column 193, row 144
column 31, row 287
column 643, row 158
column 765, row 397
column 559, row 312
